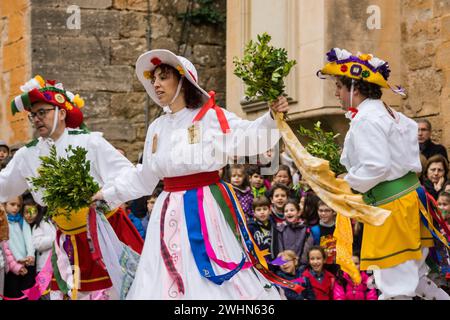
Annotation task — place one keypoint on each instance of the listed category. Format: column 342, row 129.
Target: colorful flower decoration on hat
column 156, row 61
column 180, row 70
column 364, row 67
column 48, row 91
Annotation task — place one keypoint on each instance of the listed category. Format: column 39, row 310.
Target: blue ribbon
column 15, row 218
column 197, row 243
column 241, row 223
column 423, row 198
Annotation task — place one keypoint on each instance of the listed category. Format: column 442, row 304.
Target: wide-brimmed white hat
column 148, row 61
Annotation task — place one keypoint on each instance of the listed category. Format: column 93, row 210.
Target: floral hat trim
column 364, row 67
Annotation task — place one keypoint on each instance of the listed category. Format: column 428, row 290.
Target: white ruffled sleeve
column 133, row 182
column 247, row 138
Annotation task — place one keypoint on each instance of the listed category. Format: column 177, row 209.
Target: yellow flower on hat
column 147, row 74
column 78, row 101
column 68, row 106
column 365, row 57
column 180, row 70
column 40, row 80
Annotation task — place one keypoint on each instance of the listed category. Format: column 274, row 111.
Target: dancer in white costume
column 192, row 250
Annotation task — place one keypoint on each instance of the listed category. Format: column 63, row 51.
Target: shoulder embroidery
column 32, row 143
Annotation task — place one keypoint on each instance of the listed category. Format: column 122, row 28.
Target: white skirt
column 152, row 280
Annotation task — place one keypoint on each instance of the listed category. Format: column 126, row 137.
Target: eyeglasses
column 41, row 113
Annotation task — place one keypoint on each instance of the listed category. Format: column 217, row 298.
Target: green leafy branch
column 323, row 145
column 263, row 69
column 66, row 182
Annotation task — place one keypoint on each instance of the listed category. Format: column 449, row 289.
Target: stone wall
column 97, row 60
column 426, row 63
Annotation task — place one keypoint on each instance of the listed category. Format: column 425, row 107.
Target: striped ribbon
column 168, row 262
column 193, row 204
column 256, row 256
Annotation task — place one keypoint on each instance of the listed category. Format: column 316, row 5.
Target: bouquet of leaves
column 263, row 69
column 324, row 146
column 66, row 182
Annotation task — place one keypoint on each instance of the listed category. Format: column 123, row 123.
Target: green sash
column 389, row 191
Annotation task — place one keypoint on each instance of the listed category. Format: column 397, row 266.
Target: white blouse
column 169, row 153
column 378, row 147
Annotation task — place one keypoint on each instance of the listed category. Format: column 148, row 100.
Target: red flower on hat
column 156, row 61
column 344, row 68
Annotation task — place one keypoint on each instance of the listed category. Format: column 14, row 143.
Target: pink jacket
column 354, row 292
column 11, row 263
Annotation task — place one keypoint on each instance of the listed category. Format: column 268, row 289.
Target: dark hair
column 293, row 202
column 436, row 158
column 317, row 248
column 260, row 202
column 428, row 123
column 277, row 186
column 252, row 169
column 29, row 201
column 192, row 95
column 366, row 89
column 310, row 208
column 286, row 168
column 245, row 183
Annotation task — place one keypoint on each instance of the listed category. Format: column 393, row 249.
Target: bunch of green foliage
column 263, row 69
column 204, row 12
column 323, row 145
column 66, row 182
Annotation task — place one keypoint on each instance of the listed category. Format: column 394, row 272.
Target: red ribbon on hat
column 211, row 103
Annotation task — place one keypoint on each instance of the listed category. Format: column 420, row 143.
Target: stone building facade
column 412, row 35
column 92, row 47
column 97, row 59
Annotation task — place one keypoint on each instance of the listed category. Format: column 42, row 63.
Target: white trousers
column 407, row 280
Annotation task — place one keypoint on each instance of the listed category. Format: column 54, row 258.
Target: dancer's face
column 343, row 94
column 165, row 83
column 42, row 115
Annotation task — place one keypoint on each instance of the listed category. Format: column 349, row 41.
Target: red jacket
column 322, row 289
column 354, row 292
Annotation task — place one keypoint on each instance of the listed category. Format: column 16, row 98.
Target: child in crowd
column 4, row 150
column 43, row 232
column 323, row 235
column 443, row 202
column 239, row 181
column 278, row 197
column 262, row 227
column 321, row 280
column 293, row 234
column 256, row 181
column 20, row 244
column 310, row 207
column 346, row 289
column 4, row 236
column 290, row 270
column 283, row 176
